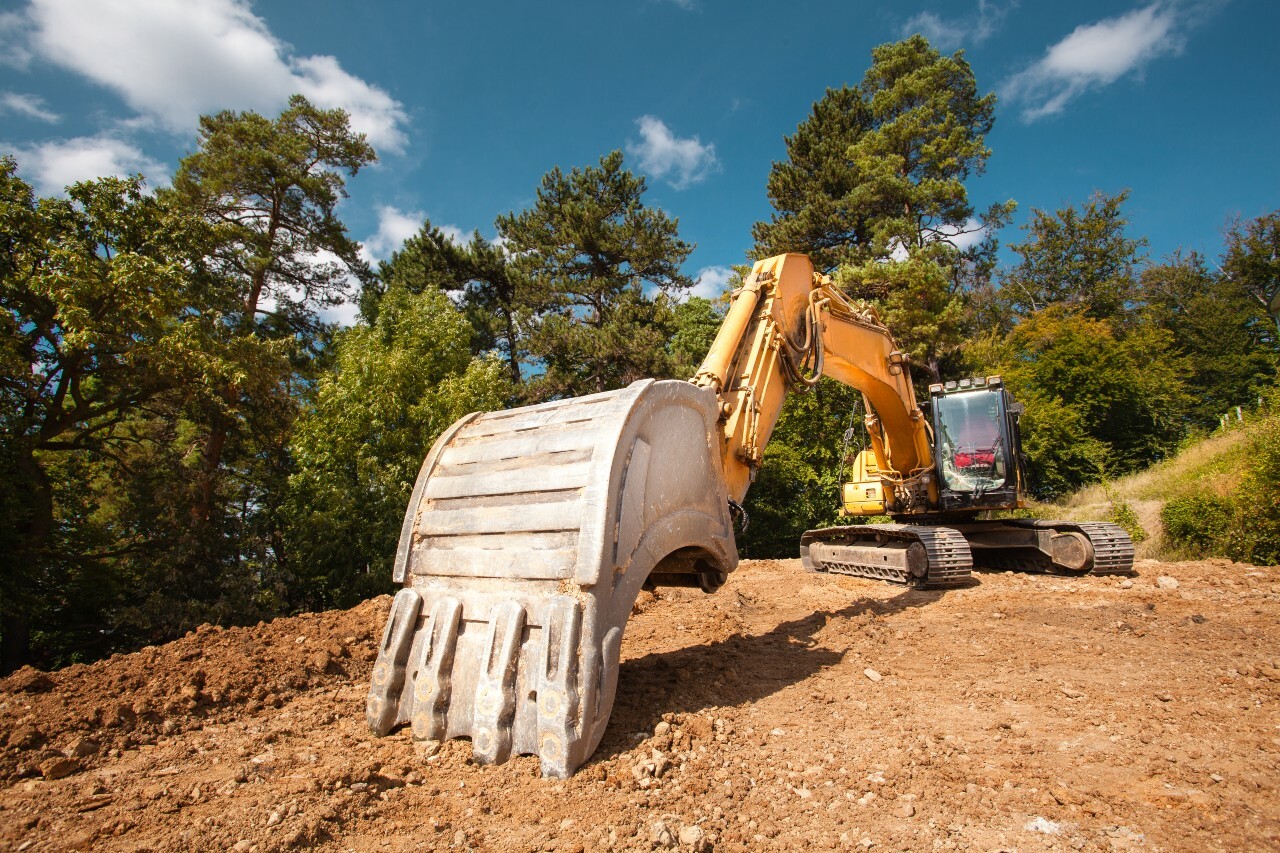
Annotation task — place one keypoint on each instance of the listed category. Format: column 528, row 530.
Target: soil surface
column 787, row 711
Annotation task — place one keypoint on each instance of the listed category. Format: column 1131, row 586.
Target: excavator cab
column 976, row 444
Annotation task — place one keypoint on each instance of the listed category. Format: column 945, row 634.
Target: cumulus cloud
column 173, row 62
column 1098, row 54
column 966, row 236
column 13, row 40
column 948, row 34
column 31, row 106
column 680, row 162
column 58, row 163
column 711, row 282
column 395, row 226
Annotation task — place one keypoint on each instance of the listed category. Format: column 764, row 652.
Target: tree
column 696, row 322
column 1218, row 326
column 268, row 189
column 874, row 190
column 588, row 249
column 812, row 191
column 1099, row 402
column 1252, row 260
column 1079, row 259
column 798, row 485
column 397, row 384
column 105, row 312
column 927, row 135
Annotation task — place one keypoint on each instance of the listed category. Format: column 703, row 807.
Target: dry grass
column 1208, row 466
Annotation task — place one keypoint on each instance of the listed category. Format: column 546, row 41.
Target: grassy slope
column 1212, row 465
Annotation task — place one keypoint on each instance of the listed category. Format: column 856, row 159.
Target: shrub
column 1197, row 522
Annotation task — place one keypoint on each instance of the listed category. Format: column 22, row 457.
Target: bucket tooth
column 388, row 670
column 433, row 678
column 557, row 696
column 495, row 702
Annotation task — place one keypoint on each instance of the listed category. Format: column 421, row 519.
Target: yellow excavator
column 531, row 531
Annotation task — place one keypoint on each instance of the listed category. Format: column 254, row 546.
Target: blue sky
column 470, row 103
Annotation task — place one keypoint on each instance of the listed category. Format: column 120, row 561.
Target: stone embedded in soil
column 1166, row 582
column 81, row 747
column 57, row 768
column 693, row 836
column 872, row 674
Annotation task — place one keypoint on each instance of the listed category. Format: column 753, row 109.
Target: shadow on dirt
column 736, row 670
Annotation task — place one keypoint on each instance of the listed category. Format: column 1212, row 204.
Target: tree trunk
column 212, row 460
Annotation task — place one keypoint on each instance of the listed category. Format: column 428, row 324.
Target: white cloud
column 947, row 34
column 31, row 106
column 395, row 226
column 13, row 40
column 680, row 162
column 173, row 62
column 711, row 282
column 1098, row 54
column 58, row 163
column 964, row 237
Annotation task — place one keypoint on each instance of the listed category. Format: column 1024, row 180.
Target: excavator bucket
column 529, row 535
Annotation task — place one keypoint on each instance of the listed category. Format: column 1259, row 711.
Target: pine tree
column 601, row 270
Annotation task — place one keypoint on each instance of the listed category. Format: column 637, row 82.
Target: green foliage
column 1196, row 522
column 155, row 350
column 812, row 191
column 797, row 487
column 269, row 190
column 1083, row 260
column 397, row 384
column 588, row 248
column 1223, row 333
column 919, row 303
column 1097, row 402
column 1061, row 454
column 874, row 185
column 1252, row 259
column 696, row 322
column 927, row 134
column 1123, row 514
column 1222, row 495
column 1255, row 534
column 495, row 297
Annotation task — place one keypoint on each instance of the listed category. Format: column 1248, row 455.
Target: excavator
column 530, row 532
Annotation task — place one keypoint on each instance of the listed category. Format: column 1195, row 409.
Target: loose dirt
column 787, row 711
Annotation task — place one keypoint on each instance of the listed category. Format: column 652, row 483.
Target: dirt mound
column 788, row 710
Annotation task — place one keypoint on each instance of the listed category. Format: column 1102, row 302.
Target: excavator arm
column 786, row 327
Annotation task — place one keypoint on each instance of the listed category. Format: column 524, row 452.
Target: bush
column 1198, row 523
column 1255, row 533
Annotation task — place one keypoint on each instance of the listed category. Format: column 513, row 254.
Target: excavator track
column 1052, row 547
column 1112, row 548
column 916, row 556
